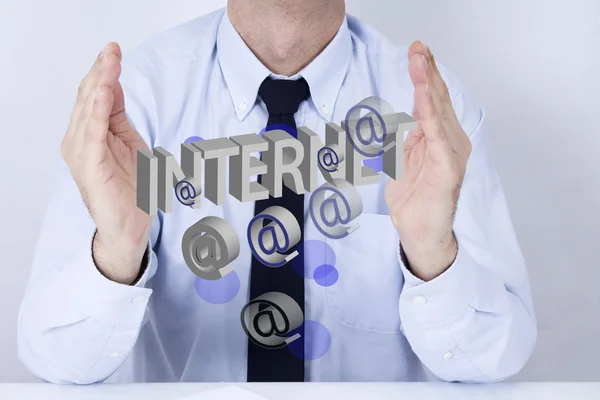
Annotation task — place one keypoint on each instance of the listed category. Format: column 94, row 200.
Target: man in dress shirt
column 432, row 286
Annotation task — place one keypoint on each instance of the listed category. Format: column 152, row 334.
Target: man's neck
column 286, row 35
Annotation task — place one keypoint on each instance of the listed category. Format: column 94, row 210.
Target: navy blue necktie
column 282, row 98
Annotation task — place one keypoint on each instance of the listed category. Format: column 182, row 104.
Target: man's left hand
column 423, row 204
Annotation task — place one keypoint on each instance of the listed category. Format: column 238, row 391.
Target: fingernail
column 427, row 89
column 99, row 92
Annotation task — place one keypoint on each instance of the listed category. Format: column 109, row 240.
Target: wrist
column 121, row 264
column 428, row 261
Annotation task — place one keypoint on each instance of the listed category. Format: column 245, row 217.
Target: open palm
column 422, row 205
column 100, row 148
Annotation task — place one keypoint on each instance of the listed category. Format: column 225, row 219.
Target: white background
column 534, row 64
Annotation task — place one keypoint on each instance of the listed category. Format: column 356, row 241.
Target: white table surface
column 330, row 391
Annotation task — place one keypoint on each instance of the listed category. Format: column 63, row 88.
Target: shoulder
column 177, row 47
column 387, row 63
column 390, row 58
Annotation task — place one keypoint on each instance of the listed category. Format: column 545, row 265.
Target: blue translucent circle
column 220, row 291
column 193, row 139
column 316, row 253
column 326, row 275
column 314, row 344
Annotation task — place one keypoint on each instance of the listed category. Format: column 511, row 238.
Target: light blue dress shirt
column 474, row 323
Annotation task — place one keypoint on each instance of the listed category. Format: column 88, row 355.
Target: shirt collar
column 244, row 73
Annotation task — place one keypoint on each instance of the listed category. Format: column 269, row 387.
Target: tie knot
column 283, row 96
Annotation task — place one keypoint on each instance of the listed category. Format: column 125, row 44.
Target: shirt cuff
column 95, row 294
column 445, row 297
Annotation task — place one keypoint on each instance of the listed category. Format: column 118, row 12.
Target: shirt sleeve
column 75, row 325
column 475, row 322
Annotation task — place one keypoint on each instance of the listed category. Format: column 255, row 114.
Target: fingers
column 436, row 77
column 107, row 76
column 429, row 122
column 417, row 64
column 413, row 138
column 419, row 71
column 423, row 69
column 118, row 118
column 93, row 135
column 416, row 53
column 425, row 111
column 90, row 82
column 436, row 101
column 97, row 125
column 104, row 74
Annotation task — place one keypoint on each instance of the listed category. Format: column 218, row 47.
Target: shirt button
column 419, row 300
column 325, row 109
column 243, row 107
column 137, row 299
column 114, row 355
column 447, row 355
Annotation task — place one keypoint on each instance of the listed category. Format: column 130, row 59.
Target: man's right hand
column 100, row 148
